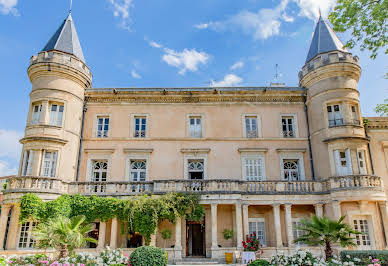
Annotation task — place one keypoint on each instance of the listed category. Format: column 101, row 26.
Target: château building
column 261, row 158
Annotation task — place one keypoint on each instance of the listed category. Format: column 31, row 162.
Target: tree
column 326, row 232
column 382, row 109
column 368, row 21
column 63, row 234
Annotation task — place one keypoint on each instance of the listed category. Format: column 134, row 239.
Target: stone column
column 14, row 226
column 3, row 223
column 239, row 237
column 245, row 221
column 153, row 238
column 178, row 239
column 278, row 228
column 101, row 235
column 336, row 209
column 318, row 209
column 289, row 231
column 214, row 246
column 113, row 234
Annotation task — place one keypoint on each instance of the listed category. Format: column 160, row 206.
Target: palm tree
column 63, row 234
column 326, row 232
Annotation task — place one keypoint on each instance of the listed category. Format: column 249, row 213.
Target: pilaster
column 113, row 233
column 278, row 228
column 101, row 235
column 289, row 231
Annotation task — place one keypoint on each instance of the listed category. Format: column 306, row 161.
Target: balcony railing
column 27, row 184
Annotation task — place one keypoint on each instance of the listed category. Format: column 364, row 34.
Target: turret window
column 343, row 162
column 28, row 158
column 36, row 111
column 102, row 127
column 49, row 163
column 361, row 162
column 56, row 115
column 355, row 117
column 334, row 115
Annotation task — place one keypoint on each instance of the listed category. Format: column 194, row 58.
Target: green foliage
column 367, row 21
column 166, row 234
column 5, row 187
column 63, row 234
column 364, row 256
column 28, row 260
column 382, row 109
column 228, row 233
column 259, row 263
column 148, row 256
column 326, row 232
column 141, row 214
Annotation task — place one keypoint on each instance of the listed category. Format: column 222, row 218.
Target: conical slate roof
column 65, row 39
column 324, row 40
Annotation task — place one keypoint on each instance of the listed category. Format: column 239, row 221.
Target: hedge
column 364, row 255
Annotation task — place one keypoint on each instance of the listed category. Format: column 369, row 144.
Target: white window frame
column 36, row 116
column 53, row 167
column 97, row 116
column 56, row 117
column 258, row 125
column 28, row 159
column 259, row 220
column 194, row 156
column 96, row 156
column 140, row 133
column 29, row 243
column 337, row 116
column 138, row 171
column 355, row 114
column 188, row 125
column 143, row 155
column 361, row 239
column 253, row 156
column 100, row 171
column 292, row 156
column 132, row 126
column 295, row 223
column 295, row 125
column 363, row 170
column 340, row 170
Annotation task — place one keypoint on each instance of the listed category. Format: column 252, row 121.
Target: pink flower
column 375, row 260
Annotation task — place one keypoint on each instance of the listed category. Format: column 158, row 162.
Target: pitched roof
column 324, row 40
column 65, row 39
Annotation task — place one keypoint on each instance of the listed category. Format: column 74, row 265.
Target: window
column 196, row 169
column 362, row 226
column 49, row 163
column 36, row 110
column 28, row 158
column 254, row 169
column 134, row 240
column 138, row 170
column 291, row 170
column 334, row 115
column 94, row 234
column 100, row 170
column 7, row 227
column 56, row 115
column 296, row 231
column 102, row 127
column 140, row 127
column 257, row 226
column 361, row 162
column 343, row 162
column 355, row 118
column 25, row 239
column 195, row 127
column 251, row 127
column 288, row 127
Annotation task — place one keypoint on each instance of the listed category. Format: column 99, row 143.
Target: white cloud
column 237, row 65
column 229, row 80
column 187, row 60
column 310, row 8
column 201, row 26
column 9, row 7
column 135, row 75
column 6, row 169
column 121, row 10
column 155, row 44
column 9, row 143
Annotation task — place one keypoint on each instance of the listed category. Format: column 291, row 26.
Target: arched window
column 195, row 168
column 291, row 170
column 138, row 170
column 100, row 169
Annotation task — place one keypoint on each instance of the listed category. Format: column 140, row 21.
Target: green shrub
column 148, row 256
column 259, row 263
column 363, row 255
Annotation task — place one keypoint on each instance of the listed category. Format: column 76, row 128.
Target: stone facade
column 262, row 158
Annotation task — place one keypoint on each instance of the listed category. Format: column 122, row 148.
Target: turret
column 59, row 77
column 330, row 75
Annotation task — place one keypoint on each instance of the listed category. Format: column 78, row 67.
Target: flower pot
column 229, row 257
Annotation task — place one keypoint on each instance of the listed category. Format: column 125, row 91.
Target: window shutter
column 42, row 166
column 337, row 162
column 349, row 162
column 29, row 162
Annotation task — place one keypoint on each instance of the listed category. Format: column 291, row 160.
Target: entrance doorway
column 195, row 239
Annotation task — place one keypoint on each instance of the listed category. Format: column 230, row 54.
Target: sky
column 169, row 43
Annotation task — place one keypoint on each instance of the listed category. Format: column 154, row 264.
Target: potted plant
column 228, row 234
column 166, row 234
column 251, row 248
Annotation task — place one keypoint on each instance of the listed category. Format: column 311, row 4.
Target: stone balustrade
column 27, row 184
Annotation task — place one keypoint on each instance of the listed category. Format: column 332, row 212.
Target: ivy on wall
column 141, row 214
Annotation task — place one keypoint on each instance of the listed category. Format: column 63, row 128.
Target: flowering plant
column 252, row 243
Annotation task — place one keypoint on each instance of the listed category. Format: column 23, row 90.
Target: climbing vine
column 141, row 214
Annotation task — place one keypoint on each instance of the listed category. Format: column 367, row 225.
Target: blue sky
column 169, row 43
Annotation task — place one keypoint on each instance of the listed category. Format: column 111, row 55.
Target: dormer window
column 334, row 115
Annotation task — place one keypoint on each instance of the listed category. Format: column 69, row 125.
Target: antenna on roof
column 71, row 5
column 276, row 73
column 276, row 82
